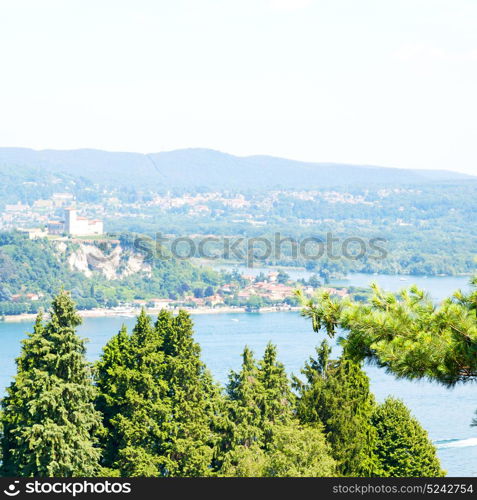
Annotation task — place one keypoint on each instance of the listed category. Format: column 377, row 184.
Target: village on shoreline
column 132, row 312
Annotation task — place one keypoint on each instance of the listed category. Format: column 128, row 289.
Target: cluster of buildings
column 202, row 200
column 267, row 288
column 75, row 225
column 57, row 215
column 71, row 225
column 33, row 297
column 51, row 215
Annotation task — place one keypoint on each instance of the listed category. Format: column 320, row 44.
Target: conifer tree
column 265, row 437
column 411, row 337
column 158, row 399
column 279, row 399
column 49, row 422
column 193, row 399
column 259, row 398
column 403, row 446
column 133, row 400
column 112, row 378
column 245, row 403
column 337, row 394
column 405, row 332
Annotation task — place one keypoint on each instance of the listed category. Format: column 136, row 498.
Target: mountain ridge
column 201, row 167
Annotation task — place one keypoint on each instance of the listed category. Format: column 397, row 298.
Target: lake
column 445, row 413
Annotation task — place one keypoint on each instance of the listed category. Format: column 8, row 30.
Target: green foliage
column 163, row 416
column 194, row 400
column 263, row 437
column 39, row 266
column 299, row 451
column 403, row 446
column 244, row 406
column 113, row 382
column 49, row 421
column 132, row 400
column 296, row 451
column 259, row 398
column 244, row 461
column 158, row 400
column 407, row 333
column 337, row 394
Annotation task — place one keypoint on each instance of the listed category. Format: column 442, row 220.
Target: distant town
column 42, row 218
column 63, row 214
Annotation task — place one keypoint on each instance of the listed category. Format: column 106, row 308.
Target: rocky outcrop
column 113, row 262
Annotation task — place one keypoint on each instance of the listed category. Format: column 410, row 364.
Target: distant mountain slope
column 207, row 168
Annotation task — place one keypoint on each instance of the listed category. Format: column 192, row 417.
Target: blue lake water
column 445, row 413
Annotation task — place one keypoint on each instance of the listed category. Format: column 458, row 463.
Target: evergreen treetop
column 50, row 425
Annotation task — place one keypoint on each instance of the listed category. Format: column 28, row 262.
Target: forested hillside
column 196, row 168
column 427, row 218
column 43, row 267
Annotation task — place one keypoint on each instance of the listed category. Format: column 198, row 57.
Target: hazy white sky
column 385, row 82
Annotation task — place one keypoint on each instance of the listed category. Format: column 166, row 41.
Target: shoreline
column 132, row 312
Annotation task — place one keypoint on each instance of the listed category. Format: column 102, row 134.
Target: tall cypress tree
column 259, row 399
column 193, row 398
column 278, row 399
column 403, row 446
column 49, row 421
column 264, row 437
column 112, row 378
column 245, row 403
column 158, row 400
column 133, row 400
column 337, row 394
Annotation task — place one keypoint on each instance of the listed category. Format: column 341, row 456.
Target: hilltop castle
column 75, row 225
column 81, row 226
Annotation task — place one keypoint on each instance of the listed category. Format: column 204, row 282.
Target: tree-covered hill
column 43, row 267
column 193, row 168
column 25, row 184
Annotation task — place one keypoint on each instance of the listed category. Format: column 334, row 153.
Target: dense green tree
column 403, row 446
column 264, row 437
column 48, row 417
column 278, row 401
column 193, row 399
column 337, row 394
column 259, row 398
column 296, row 451
column 244, row 461
column 245, row 402
column 132, row 399
column 299, row 451
column 112, row 376
column 267, row 439
column 406, row 332
column 413, row 338
column 159, row 401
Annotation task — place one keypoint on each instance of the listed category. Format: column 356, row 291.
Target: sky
column 381, row 82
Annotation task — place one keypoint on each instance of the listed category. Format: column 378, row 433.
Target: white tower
column 70, row 220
